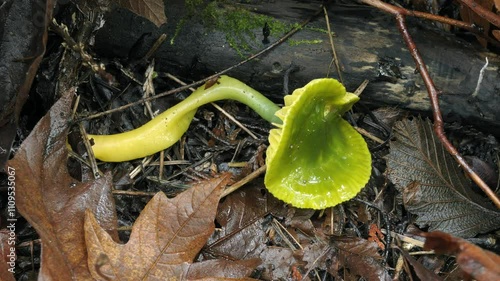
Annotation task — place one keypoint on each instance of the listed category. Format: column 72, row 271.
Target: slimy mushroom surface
column 315, row 158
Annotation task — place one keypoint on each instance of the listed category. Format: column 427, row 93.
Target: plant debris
column 162, row 217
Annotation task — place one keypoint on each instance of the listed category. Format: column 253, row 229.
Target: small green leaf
column 315, row 158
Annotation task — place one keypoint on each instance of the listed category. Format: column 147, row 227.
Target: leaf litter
column 77, row 224
column 76, row 220
column 255, row 231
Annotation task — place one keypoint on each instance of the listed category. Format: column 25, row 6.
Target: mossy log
column 367, row 42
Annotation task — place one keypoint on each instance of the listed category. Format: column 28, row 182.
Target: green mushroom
column 315, row 158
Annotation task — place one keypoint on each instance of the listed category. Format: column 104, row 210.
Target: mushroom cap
column 315, row 158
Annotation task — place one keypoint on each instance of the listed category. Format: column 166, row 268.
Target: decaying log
column 366, row 41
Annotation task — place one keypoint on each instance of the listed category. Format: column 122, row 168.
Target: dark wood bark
column 365, row 38
column 22, row 44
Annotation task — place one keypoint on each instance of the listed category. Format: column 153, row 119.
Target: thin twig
column 93, row 163
column 368, row 135
column 406, row 239
column 134, row 193
column 286, row 78
column 335, row 58
column 155, row 47
column 482, row 12
column 460, row 24
column 361, row 87
column 433, row 96
column 244, row 181
column 141, row 167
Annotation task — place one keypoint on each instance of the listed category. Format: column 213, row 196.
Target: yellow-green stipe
column 316, row 159
column 168, row 127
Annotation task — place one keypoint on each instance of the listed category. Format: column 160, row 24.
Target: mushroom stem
column 168, row 127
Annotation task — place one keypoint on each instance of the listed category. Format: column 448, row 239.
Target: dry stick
column 180, row 89
column 433, row 96
column 244, row 181
column 154, row 48
column 460, row 24
column 133, row 193
column 402, row 11
column 333, row 46
column 93, row 163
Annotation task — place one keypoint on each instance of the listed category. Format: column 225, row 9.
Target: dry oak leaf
column 165, row 240
column 477, row 263
column 434, row 187
column 53, row 202
column 153, row 10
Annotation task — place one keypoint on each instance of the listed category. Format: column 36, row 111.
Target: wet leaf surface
column 53, row 202
column 277, row 263
column 165, row 240
column 362, row 257
column 244, row 219
column 475, row 262
column 433, row 185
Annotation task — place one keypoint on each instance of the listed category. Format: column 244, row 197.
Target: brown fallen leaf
column 482, row 24
column 361, row 257
column 419, row 269
column 277, row 263
column 53, row 202
column 433, row 185
column 375, row 235
column 240, row 218
column 165, row 239
column 357, row 256
column 243, row 227
column 475, row 262
column 153, row 10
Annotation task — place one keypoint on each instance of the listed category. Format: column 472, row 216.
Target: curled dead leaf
column 475, row 262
